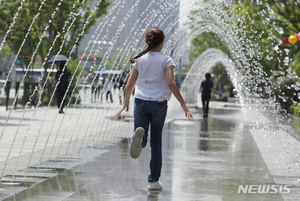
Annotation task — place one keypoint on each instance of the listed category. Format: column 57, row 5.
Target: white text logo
column 264, row 189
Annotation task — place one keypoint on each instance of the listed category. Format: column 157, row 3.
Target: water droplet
column 280, row 30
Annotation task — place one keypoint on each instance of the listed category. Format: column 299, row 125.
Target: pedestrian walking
column 62, row 78
column 206, row 88
column 153, row 79
column 109, row 84
column 122, row 85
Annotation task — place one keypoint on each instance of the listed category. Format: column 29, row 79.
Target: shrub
column 297, row 110
column 73, row 99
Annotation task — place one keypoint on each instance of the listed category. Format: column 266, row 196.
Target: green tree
column 257, row 35
column 54, row 23
column 284, row 90
column 222, row 81
column 5, row 56
column 203, row 42
column 287, row 17
column 265, row 25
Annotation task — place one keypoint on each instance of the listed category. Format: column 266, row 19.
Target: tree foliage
column 203, row 42
column 260, row 27
column 47, row 27
column 221, row 77
column 255, row 21
column 265, row 25
column 5, row 57
column 288, row 16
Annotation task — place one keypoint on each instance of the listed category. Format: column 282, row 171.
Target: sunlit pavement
column 203, row 159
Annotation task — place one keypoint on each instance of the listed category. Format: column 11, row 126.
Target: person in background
column 122, row 86
column 109, row 84
column 62, row 78
column 206, row 88
column 179, row 80
column 153, row 79
column 115, row 82
column 5, row 72
column 231, row 91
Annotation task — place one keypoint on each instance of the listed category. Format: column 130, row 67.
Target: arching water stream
column 37, row 136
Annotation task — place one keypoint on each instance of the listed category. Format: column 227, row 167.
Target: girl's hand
column 187, row 112
column 126, row 103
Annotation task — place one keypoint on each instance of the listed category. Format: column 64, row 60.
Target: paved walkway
column 203, row 159
column 31, row 136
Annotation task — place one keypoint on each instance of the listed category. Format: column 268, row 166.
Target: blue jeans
column 154, row 113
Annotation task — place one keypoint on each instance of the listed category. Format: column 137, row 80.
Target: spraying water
column 89, row 125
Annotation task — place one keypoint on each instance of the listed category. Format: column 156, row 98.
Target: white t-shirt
column 109, row 84
column 151, row 83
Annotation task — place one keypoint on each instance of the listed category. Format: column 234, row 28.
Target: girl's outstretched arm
column 129, row 87
column 174, row 89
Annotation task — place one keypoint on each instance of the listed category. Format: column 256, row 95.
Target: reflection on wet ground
column 203, row 159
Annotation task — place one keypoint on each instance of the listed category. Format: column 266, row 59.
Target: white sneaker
column 136, row 144
column 155, row 185
column 153, row 195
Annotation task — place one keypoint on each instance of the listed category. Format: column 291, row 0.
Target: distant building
column 115, row 32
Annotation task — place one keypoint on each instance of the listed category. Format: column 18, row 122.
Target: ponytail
column 132, row 60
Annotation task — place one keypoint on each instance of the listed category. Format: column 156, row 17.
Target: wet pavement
column 203, row 159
